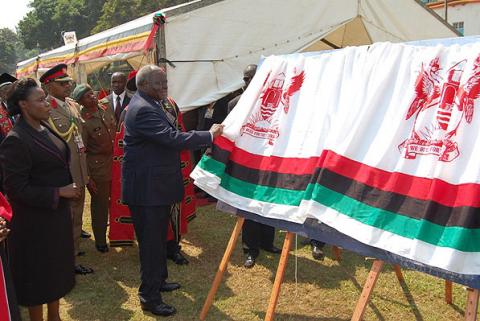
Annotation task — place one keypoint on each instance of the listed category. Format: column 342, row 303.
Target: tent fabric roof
column 211, row 41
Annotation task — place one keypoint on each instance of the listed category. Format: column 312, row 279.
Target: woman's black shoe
column 85, row 235
column 80, row 269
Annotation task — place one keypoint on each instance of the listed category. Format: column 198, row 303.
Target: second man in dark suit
column 118, row 98
column 254, row 235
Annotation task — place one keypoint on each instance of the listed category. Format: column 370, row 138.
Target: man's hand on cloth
column 216, row 130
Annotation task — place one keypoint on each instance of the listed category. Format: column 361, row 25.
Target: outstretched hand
column 216, row 130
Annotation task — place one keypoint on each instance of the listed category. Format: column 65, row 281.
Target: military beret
column 57, row 73
column 79, row 91
column 6, row 79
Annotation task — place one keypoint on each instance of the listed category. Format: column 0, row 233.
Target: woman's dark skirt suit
column 35, row 164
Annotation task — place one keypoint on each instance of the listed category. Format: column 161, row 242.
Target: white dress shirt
column 114, row 100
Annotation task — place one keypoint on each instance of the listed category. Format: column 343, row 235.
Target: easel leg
column 222, row 267
column 448, row 292
column 398, row 272
column 472, row 305
column 337, row 252
column 282, row 264
column 367, row 290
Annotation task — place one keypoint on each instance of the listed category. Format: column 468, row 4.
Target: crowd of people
column 131, row 151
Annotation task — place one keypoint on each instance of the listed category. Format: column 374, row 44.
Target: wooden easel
column 222, row 267
column 472, row 299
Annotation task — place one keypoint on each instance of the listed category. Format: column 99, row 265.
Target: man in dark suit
column 152, row 179
column 118, row 98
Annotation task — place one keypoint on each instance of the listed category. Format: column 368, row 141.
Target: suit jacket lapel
column 45, row 144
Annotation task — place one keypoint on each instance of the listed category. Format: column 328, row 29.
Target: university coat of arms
column 263, row 123
column 439, row 108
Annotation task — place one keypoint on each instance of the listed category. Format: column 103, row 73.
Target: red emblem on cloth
column 263, row 123
column 439, row 108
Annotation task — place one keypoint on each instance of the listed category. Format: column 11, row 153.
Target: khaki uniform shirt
column 100, row 127
column 65, row 119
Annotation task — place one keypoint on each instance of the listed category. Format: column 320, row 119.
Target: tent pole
column 446, row 11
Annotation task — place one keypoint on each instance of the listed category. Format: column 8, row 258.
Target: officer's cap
column 57, row 73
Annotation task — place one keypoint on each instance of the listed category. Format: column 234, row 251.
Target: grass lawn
column 320, row 291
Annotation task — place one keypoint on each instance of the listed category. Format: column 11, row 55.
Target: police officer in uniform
column 99, row 133
column 66, row 121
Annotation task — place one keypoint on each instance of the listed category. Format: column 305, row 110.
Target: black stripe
column 462, row 216
column 220, row 154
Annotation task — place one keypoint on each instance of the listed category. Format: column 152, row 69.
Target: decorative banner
column 380, row 143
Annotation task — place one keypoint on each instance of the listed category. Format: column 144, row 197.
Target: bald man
column 152, row 179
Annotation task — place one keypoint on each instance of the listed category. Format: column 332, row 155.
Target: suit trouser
column 99, row 210
column 255, row 236
column 151, row 224
column 77, row 206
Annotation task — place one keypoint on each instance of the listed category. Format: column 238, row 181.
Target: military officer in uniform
column 66, row 121
column 99, row 133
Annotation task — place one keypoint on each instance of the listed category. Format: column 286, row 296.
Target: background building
column 463, row 15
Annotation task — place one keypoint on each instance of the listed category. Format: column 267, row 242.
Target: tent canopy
column 209, row 42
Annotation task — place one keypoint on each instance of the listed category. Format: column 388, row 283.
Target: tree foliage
column 42, row 27
column 8, row 56
column 116, row 12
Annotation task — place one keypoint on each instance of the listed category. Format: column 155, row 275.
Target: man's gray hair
column 144, row 74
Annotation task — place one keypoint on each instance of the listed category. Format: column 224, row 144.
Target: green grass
column 320, row 291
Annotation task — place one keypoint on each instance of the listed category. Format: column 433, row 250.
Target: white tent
column 209, row 42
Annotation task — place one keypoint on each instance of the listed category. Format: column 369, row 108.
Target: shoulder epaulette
column 102, row 105
column 104, row 100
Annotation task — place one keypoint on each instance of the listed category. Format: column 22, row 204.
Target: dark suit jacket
column 151, row 173
column 232, row 103
column 125, row 103
column 34, row 168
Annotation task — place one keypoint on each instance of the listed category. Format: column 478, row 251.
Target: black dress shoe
column 85, row 235
column 81, row 253
column 80, row 269
column 168, row 287
column 317, row 253
column 160, row 308
column 273, row 249
column 249, row 261
column 179, row 259
column 102, row 248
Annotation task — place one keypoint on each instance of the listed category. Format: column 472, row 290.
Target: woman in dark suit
column 38, row 184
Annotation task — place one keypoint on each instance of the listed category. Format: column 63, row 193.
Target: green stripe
column 459, row 238
column 248, row 190
column 210, row 165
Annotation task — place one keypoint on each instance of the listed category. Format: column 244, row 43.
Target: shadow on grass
column 213, row 241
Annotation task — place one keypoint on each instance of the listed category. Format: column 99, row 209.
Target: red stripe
column 437, row 190
column 297, row 166
column 4, row 307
